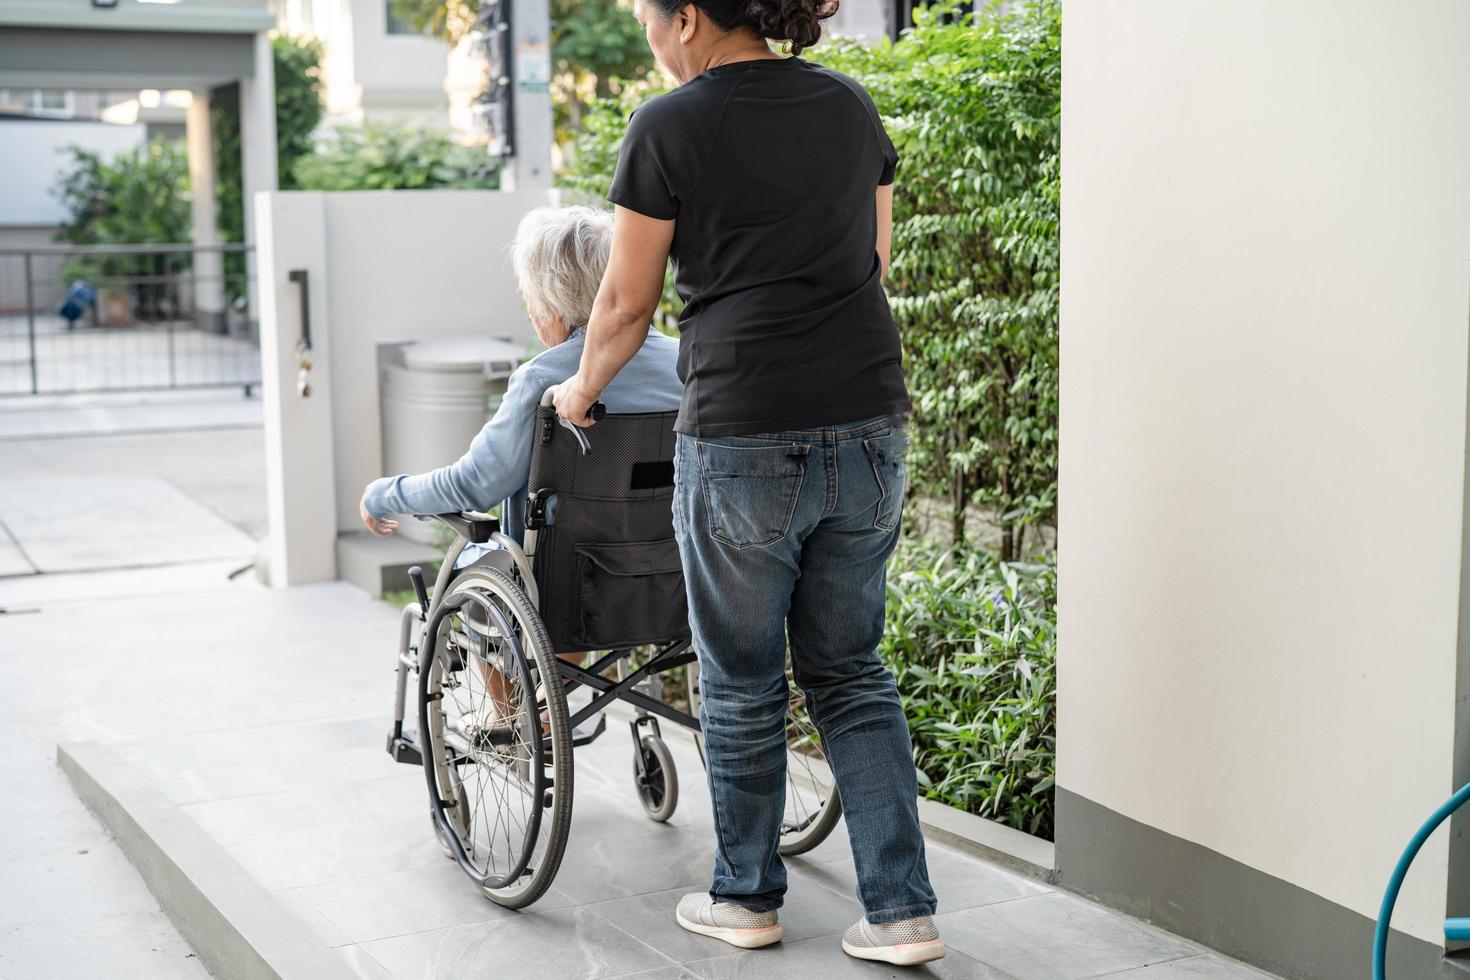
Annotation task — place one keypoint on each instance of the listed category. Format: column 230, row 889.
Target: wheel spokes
column 491, row 731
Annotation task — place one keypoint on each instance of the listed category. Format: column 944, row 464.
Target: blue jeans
column 787, row 535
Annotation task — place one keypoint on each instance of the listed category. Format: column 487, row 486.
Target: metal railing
column 79, row 318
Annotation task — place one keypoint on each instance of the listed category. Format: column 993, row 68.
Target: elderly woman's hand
column 573, row 402
column 382, row 528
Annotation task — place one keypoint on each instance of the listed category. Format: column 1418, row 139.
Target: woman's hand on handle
column 382, row 528
column 574, row 402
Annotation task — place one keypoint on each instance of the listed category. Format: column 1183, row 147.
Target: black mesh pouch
column 606, row 563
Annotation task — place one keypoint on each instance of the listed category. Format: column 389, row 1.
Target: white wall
column 382, row 266
column 34, row 156
column 1266, row 245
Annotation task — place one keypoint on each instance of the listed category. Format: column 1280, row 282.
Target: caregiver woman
column 768, row 181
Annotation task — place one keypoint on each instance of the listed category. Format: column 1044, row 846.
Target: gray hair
column 559, row 256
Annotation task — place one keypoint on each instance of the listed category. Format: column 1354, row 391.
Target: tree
column 449, row 19
column 595, row 44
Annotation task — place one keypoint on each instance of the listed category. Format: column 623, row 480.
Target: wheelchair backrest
column 606, row 562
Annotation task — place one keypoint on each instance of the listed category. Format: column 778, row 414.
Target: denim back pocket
column 887, row 453
column 750, row 492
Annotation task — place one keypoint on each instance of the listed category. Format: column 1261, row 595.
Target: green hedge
column 973, row 104
column 393, row 156
column 975, row 110
column 974, row 107
column 972, row 644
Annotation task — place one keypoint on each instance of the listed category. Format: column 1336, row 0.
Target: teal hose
column 1385, row 913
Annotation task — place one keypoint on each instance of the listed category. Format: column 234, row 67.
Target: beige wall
column 368, row 73
column 1265, row 306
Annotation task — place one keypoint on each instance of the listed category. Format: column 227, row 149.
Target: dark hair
column 797, row 22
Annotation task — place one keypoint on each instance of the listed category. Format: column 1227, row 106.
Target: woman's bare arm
column 625, row 304
column 885, row 225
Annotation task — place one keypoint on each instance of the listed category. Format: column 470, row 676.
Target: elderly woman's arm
column 496, row 465
column 625, row 303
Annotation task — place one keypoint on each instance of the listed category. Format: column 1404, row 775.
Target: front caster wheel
column 658, row 782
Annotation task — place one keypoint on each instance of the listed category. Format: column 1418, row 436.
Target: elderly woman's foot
column 901, row 943
column 735, row 924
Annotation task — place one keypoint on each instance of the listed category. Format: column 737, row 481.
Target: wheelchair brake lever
column 596, row 413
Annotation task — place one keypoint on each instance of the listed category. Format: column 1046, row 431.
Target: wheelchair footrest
column 588, row 737
column 403, row 749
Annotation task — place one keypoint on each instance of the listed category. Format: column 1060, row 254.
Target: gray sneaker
column 735, row 924
column 901, row 943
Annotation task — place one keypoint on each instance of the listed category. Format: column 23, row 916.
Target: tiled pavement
column 321, row 816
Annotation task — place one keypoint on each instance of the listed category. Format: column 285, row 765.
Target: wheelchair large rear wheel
column 498, row 756
column 813, row 806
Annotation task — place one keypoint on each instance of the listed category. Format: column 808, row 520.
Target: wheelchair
column 598, row 574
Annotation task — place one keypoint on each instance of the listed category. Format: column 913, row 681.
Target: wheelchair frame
column 481, row 529
column 656, row 779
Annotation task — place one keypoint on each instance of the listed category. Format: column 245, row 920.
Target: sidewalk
column 71, row 905
column 113, row 481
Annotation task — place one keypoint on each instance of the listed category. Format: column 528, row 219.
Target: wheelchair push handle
column 597, row 412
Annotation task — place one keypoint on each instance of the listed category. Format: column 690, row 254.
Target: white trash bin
column 436, row 395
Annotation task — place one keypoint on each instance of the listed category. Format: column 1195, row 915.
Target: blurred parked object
column 79, row 297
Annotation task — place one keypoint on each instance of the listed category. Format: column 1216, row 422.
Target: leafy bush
column 974, row 107
column 392, row 156
column 972, row 644
column 140, row 196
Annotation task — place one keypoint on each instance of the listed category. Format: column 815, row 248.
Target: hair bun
column 798, row 22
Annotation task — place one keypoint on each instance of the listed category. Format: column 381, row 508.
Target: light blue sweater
column 498, row 464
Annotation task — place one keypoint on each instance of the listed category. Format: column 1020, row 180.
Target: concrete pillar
column 208, row 278
column 301, row 498
column 530, row 167
column 257, row 148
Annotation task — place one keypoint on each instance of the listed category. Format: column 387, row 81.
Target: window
column 396, row 24
column 50, row 102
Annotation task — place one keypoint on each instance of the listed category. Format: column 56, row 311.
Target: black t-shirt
column 768, row 169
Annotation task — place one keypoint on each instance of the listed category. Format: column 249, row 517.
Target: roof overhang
column 187, row 16
column 44, row 57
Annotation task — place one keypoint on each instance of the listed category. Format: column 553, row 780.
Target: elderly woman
column 769, row 182
column 560, row 255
